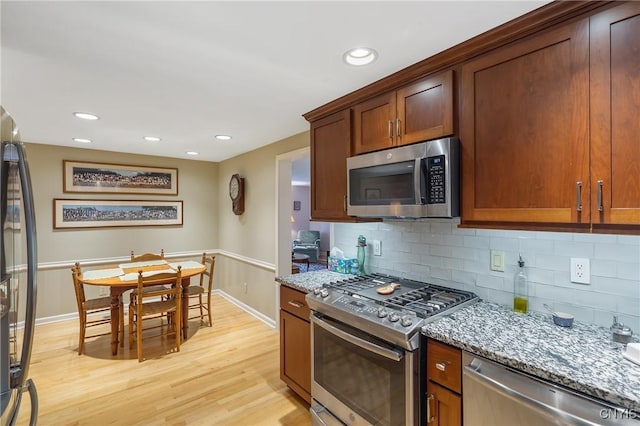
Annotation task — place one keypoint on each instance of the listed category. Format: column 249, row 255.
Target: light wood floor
column 224, row 375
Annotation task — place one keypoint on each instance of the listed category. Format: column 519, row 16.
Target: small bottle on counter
column 520, row 290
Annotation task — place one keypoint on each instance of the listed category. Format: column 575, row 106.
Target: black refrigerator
column 18, row 267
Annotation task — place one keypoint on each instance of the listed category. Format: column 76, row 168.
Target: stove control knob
column 405, row 321
column 394, row 317
column 382, row 312
column 316, row 291
column 324, row 292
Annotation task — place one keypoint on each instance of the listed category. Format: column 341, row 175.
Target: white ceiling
column 186, row 71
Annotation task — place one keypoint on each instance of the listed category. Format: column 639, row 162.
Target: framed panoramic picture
column 110, row 213
column 104, row 178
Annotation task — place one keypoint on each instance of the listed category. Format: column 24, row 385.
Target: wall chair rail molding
column 115, row 213
column 105, row 178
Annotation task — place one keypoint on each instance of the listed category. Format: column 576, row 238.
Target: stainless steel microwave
column 413, row 181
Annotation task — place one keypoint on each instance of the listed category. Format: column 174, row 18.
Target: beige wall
column 245, row 272
column 252, row 234
column 59, row 248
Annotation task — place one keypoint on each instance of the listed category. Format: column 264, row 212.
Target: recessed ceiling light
column 192, row 153
column 223, row 137
column 152, row 139
column 86, row 116
column 82, row 140
column 360, row 56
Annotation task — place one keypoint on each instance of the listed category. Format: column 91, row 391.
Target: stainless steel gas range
column 365, row 343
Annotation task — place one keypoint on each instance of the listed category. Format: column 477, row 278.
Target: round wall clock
column 236, row 193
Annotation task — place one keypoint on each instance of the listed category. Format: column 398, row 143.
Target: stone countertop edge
column 582, row 358
column 307, row 281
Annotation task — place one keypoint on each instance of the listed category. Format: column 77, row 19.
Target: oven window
column 382, row 185
column 369, row 384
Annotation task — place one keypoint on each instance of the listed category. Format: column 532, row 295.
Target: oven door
column 358, row 378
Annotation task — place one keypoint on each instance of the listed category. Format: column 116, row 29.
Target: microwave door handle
column 371, row 347
column 417, row 173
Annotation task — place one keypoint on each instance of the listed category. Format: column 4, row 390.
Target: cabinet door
column 525, row 131
column 374, row 124
column 425, row 109
column 330, row 147
column 444, row 406
column 615, row 115
column 295, row 354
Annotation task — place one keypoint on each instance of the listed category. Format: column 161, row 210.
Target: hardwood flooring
column 227, row 374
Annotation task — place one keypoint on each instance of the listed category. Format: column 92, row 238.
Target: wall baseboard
column 248, row 309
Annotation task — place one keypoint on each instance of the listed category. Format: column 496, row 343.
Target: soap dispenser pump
column 520, row 290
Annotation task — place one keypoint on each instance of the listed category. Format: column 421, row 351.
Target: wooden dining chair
column 147, row 256
column 202, row 290
column 166, row 300
column 143, row 258
column 91, row 312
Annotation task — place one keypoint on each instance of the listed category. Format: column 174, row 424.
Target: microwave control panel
column 436, row 175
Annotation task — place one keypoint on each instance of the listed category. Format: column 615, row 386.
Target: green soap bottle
column 520, row 290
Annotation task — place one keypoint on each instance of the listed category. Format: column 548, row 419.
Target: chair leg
column 209, row 309
column 83, row 330
column 139, row 338
column 131, row 316
column 200, row 306
column 121, row 321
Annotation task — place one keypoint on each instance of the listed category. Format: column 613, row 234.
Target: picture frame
column 115, row 213
column 106, row 178
column 297, row 205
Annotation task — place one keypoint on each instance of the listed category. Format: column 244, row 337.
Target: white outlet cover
column 580, row 270
column 377, row 247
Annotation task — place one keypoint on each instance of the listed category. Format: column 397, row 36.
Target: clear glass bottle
column 520, row 290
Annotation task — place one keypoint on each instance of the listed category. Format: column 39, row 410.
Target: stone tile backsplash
column 437, row 251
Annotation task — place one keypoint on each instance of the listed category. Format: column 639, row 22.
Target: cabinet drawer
column 444, row 365
column 292, row 301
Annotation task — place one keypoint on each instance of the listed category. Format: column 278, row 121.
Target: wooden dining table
column 124, row 277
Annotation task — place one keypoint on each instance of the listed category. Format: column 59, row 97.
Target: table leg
column 185, row 308
column 115, row 319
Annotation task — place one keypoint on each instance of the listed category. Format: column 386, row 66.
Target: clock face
column 234, row 188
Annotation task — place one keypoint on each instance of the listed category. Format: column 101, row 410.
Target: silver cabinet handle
column 600, row 206
column 579, row 196
column 390, row 129
column 295, row 304
column 398, row 133
column 430, row 418
column 441, row 366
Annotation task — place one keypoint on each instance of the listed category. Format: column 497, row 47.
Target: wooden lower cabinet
column 445, row 406
column 444, row 384
column 295, row 342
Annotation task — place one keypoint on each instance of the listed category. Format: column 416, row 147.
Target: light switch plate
column 377, row 247
column 496, row 262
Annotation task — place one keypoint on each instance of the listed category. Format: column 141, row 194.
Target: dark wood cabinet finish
column 445, row 407
column 615, row 116
column 330, row 147
column 417, row 112
column 295, row 342
column 444, row 384
column 525, row 129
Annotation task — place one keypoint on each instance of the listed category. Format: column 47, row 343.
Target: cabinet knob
column 295, row 304
column 441, row 366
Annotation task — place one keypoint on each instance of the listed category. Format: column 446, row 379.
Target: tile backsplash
column 439, row 252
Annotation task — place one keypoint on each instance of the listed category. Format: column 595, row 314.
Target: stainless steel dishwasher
column 495, row 395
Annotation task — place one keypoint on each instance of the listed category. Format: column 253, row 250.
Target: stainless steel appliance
column 497, row 395
column 366, row 356
column 17, row 280
column 421, row 180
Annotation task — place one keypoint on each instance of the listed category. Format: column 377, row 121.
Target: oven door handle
column 372, row 347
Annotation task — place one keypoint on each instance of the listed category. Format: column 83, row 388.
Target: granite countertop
column 582, row 357
column 309, row 280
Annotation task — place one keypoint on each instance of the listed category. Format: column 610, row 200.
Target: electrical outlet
column 377, row 247
column 580, row 271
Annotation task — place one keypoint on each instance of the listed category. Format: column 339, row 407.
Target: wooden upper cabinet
column 330, row 147
column 615, row 116
column 524, row 131
column 414, row 113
